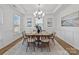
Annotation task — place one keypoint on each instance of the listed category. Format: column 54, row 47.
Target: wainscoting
column 69, row 36
column 70, row 49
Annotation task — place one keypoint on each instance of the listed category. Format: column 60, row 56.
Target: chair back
column 24, row 34
column 54, row 34
column 51, row 35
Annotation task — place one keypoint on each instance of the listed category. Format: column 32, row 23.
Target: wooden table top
column 38, row 34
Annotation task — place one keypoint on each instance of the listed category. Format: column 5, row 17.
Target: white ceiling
column 31, row 8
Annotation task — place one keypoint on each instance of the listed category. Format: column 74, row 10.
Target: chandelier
column 39, row 13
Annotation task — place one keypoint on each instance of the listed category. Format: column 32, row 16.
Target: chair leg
column 41, row 49
column 23, row 41
column 33, row 46
column 49, row 47
column 27, row 47
column 34, row 49
column 54, row 42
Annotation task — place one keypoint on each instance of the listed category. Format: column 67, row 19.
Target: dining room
column 39, row 29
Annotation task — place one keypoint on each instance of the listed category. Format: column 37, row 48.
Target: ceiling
column 31, row 8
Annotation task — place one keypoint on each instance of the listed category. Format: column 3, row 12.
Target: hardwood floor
column 20, row 49
column 71, row 50
column 9, row 46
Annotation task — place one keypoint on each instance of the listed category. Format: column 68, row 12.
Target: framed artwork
column 71, row 20
column 29, row 22
column 49, row 22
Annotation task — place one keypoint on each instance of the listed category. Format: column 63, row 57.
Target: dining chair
column 52, row 37
column 27, row 39
column 45, row 43
column 24, row 37
column 38, row 43
column 31, row 44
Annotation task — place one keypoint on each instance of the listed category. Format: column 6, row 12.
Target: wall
column 6, row 29
column 69, row 34
column 30, row 29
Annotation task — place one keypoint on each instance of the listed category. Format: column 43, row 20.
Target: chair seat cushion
column 45, row 40
column 31, row 40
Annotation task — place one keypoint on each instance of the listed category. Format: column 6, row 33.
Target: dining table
column 38, row 35
column 39, row 39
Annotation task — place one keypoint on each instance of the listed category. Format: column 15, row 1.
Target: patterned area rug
column 20, row 49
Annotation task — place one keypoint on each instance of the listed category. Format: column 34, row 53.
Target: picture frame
column 49, row 22
column 70, row 20
column 29, row 22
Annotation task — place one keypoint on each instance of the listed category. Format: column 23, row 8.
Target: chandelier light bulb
column 39, row 13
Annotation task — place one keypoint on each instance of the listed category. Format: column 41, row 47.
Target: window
column 39, row 22
column 16, row 23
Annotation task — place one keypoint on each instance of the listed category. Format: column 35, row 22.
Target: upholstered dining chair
column 24, row 37
column 45, row 43
column 31, row 42
column 52, row 37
